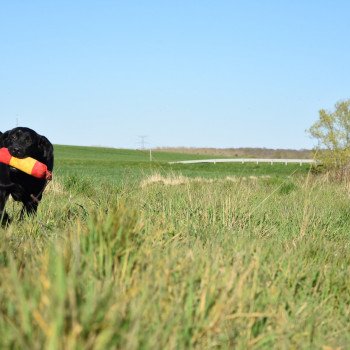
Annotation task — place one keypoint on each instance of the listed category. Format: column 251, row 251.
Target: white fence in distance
column 248, row 160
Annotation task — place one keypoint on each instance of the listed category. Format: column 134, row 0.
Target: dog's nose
column 15, row 151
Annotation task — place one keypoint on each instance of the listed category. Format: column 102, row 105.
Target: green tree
column 332, row 131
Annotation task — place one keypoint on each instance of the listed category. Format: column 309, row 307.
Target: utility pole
column 142, row 141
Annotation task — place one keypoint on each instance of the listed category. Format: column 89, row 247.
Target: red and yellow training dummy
column 28, row 165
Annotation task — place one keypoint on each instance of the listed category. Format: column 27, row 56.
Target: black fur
column 21, row 143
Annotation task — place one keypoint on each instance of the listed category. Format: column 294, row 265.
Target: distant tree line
column 244, row 152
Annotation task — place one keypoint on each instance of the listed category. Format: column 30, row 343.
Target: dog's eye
column 14, row 137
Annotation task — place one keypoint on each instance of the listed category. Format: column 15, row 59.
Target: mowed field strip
column 247, row 160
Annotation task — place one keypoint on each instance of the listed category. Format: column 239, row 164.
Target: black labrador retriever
column 21, row 143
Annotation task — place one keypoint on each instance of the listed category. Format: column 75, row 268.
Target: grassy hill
column 123, row 155
column 130, row 165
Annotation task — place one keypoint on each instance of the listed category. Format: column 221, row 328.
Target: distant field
column 113, row 154
column 120, row 165
column 131, row 254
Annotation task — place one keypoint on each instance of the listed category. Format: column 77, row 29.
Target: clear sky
column 197, row 73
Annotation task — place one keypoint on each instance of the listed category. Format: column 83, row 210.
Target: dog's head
column 24, row 142
column 21, row 142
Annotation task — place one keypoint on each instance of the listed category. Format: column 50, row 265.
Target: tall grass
column 254, row 263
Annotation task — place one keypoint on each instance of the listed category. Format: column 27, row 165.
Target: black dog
column 22, row 143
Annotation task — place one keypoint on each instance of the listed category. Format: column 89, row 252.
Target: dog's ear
column 3, row 137
column 46, row 150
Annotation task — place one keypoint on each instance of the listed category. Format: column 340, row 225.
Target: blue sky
column 185, row 73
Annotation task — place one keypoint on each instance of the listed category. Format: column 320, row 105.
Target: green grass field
column 130, row 254
column 120, row 166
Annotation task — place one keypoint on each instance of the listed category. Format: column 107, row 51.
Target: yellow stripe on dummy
column 26, row 164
